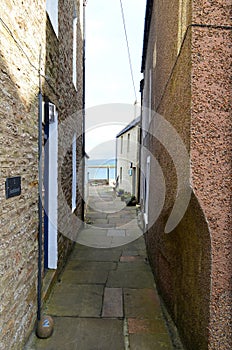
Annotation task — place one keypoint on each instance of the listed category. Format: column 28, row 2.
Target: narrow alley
column 115, row 175
column 106, row 298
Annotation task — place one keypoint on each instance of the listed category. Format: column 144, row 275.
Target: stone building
column 46, row 37
column 127, row 157
column 186, row 189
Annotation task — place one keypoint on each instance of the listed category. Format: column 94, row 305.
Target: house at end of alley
column 127, row 158
column 47, row 34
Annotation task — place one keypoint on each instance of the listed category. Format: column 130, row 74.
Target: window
column 52, row 11
column 75, row 47
column 150, row 97
column 128, row 143
column 120, row 174
column 74, row 173
column 121, row 144
column 146, row 190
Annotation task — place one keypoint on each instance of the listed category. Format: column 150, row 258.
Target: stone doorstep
column 49, row 280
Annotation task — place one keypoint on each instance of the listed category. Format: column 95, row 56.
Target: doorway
column 50, row 185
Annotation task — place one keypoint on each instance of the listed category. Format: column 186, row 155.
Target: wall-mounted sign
column 13, row 186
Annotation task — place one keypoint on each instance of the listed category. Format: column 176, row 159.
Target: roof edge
column 131, row 125
column 147, row 24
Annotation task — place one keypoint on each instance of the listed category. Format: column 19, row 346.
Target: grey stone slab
column 81, row 334
column 93, row 254
column 131, row 275
column 80, row 265
column 116, row 233
column 121, row 241
column 90, row 276
column 142, row 303
column 97, row 215
column 147, row 326
column 112, row 304
column 76, row 300
column 103, row 226
column 119, row 221
column 150, row 342
column 100, row 221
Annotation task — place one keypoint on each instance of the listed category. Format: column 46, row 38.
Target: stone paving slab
column 97, row 215
column 100, row 221
column 150, row 342
column 146, row 326
column 90, row 276
column 82, row 334
column 140, row 303
column 96, row 241
column 134, row 276
column 116, row 233
column 101, row 255
column 102, row 225
column 81, row 265
column 113, row 303
column 76, row 300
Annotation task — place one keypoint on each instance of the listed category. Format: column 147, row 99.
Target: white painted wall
column 129, row 154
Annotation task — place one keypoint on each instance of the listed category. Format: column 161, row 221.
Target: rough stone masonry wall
column 70, row 120
column 211, row 152
column 18, row 157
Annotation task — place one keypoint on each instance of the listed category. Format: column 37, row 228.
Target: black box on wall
column 13, row 186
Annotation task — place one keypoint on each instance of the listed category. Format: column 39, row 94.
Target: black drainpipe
column 83, row 116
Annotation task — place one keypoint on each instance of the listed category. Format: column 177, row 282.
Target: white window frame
column 74, row 173
column 147, row 179
column 53, row 190
column 150, row 97
column 75, row 48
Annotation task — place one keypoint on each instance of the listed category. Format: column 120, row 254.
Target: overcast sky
column 108, row 77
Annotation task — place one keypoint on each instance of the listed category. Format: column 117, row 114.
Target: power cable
column 128, row 50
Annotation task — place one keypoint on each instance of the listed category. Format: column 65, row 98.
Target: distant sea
column 98, row 173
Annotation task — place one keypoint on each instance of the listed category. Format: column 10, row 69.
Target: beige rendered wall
column 211, row 150
column 127, row 157
column 190, row 89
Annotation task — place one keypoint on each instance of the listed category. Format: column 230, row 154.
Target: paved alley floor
column 105, row 298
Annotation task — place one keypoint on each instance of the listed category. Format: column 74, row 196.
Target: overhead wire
column 128, row 50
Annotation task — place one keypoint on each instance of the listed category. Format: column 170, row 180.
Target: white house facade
column 127, row 156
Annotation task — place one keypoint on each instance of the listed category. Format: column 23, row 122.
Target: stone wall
column 188, row 53
column 18, row 156
column 23, row 28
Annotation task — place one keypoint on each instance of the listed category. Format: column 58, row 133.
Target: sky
column 108, row 76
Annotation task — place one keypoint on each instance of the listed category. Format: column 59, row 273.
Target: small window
column 121, row 144
column 120, row 174
column 74, row 173
column 128, row 143
column 52, row 11
column 75, row 47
